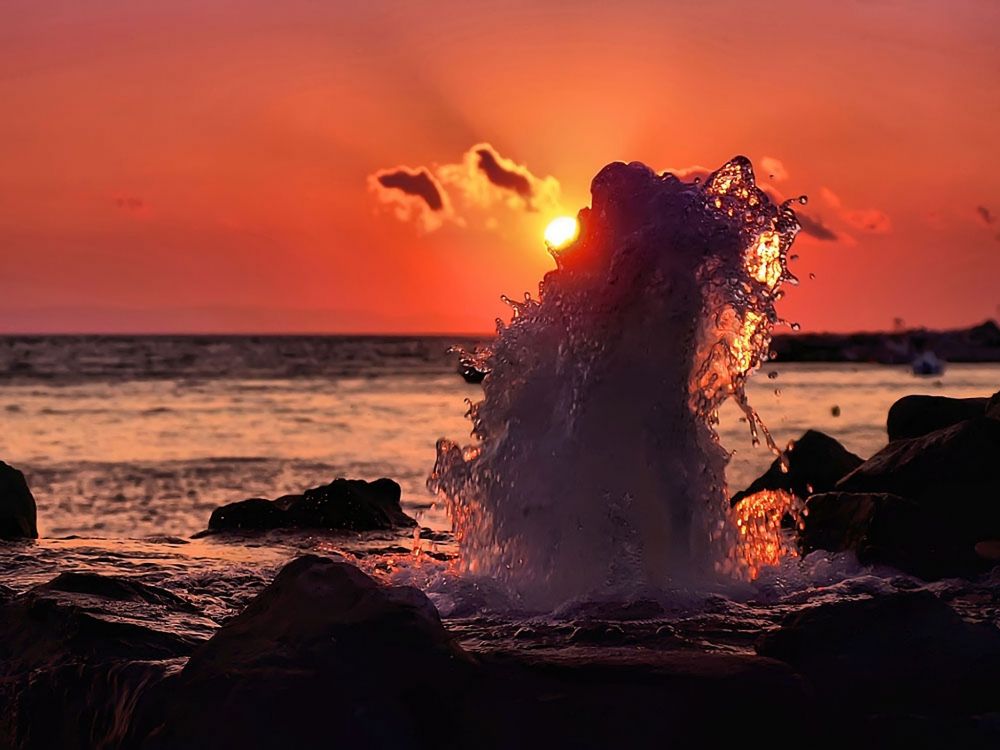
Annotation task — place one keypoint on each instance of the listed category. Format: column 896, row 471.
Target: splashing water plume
column 595, row 464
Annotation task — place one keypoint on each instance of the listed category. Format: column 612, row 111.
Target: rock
column 953, row 468
column 256, row 514
column 949, row 480
column 347, row 504
column 913, row 416
column 815, row 463
column 116, row 589
column 326, row 656
column 587, row 697
column 324, row 653
column 73, row 618
column 891, row 530
column 993, row 406
column 17, row 506
column 77, row 653
column 902, row 653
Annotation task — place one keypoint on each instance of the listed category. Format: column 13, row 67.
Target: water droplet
column 803, row 199
column 812, row 276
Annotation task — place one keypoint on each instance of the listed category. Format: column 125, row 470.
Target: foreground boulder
column 323, row 653
column 897, row 655
column 914, row 416
column 346, row 504
column 815, row 463
column 17, row 506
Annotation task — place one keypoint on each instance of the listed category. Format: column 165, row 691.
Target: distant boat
column 927, row 363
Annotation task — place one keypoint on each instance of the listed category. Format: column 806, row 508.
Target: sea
column 129, row 442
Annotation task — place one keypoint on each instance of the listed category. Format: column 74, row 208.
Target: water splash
column 595, row 462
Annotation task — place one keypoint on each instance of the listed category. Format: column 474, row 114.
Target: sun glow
column 561, row 232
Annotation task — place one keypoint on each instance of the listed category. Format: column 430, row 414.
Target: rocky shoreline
column 327, row 655
column 979, row 343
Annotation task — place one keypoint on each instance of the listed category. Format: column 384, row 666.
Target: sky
column 200, row 166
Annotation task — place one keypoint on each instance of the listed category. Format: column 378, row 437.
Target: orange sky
column 203, row 166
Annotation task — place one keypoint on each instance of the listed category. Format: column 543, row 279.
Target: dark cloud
column 504, row 177
column 417, row 183
column 985, row 214
column 815, row 227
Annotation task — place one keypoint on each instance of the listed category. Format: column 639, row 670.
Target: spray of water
column 594, row 463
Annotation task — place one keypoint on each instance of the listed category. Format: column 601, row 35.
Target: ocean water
column 129, row 443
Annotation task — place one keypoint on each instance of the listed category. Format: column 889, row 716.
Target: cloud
column 986, row 215
column 505, row 176
column 774, row 168
column 482, row 179
column 485, row 178
column 830, row 198
column 815, row 227
column 869, row 220
column 413, row 194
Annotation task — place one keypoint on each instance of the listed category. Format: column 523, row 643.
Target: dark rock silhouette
column 993, row 406
column 327, row 656
column 898, row 655
column 816, row 462
column 17, row 505
column 324, row 652
column 955, row 466
column 913, row 416
column 929, row 505
column 76, row 654
column 345, row 504
column 891, row 530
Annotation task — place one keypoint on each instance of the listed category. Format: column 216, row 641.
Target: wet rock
column 922, row 504
column 892, row 530
column 347, row 504
column 255, row 514
column 17, row 505
column 607, row 697
column 323, row 653
column 953, row 470
column 816, row 462
column 898, row 654
column 117, row 589
column 76, row 654
column 914, row 416
column 51, row 625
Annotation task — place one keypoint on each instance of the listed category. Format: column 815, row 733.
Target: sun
column 561, row 232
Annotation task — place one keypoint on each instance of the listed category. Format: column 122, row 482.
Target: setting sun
column 561, row 231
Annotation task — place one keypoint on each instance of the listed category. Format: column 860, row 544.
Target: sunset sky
column 213, row 166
